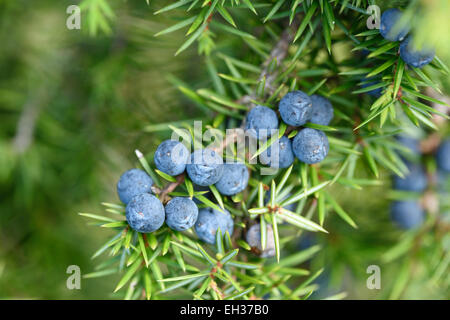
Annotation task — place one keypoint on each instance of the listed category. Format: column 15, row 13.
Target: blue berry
column 260, row 121
column 310, row 146
column 285, row 155
column 415, row 180
column 443, row 156
column 209, row 220
column 207, row 194
column 407, row 214
column 296, row 108
column 253, row 238
column 234, row 179
column 322, row 110
column 414, row 57
column 145, row 213
column 374, row 92
column 306, row 241
column 181, row 213
column 443, row 181
column 389, row 28
column 171, row 157
column 132, row 183
column 205, row 168
column 410, row 143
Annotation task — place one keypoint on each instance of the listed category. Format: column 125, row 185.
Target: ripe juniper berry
column 181, row 213
column 132, row 183
column 310, row 146
column 260, row 121
column 295, row 108
column 205, row 168
column 145, row 213
column 209, row 220
column 234, row 179
column 171, row 157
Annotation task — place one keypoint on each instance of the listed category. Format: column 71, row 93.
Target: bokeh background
column 73, row 108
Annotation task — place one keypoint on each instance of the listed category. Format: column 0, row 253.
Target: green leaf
column 383, row 49
column 116, row 224
column 248, row 3
column 319, row 127
column 186, row 277
column 299, row 221
column 326, row 35
column 165, row 176
column 127, row 276
column 210, row 259
column 398, row 77
column 175, row 27
column 340, row 211
column 382, row 67
column 143, row 248
column 173, row 6
column 274, row 10
column 370, row 161
column 276, row 237
column 208, row 202
column 240, row 294
column 224, row 13
column 97, row 217
column 304, row 193
column 306, row 20
column 191, row 40
column 229, row 256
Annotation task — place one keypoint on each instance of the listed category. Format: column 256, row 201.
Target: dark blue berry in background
column 234, row 179
column 443, row 156
column 253, row 238
column 443, row 181
column 415, row 180
column 260, row 121
column 171, row 157
column 181, row 213
column 132, row 183
column 285, row 154
column 322, row 110
column 388, row 28
column 296, row 108
column 209, row 220
column 145, row 213
column 407, row 214
column 310, row 146
column 375, row 92
column 206, row 167
column 412, row 144
column 307, row 240
column 207, row 194
column 414, row 57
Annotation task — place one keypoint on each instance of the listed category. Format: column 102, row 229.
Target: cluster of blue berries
column 205, row 167
column 390, row 30
column 409, row 214
column 146, row 213
column 296, row 108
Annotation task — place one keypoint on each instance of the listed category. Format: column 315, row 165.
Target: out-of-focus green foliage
column 73, row 108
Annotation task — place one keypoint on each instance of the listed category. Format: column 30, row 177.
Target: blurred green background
column 72, row 110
